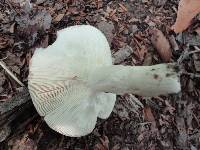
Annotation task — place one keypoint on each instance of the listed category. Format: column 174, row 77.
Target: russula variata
column 73, row 81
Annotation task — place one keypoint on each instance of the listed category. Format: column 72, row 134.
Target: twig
column 192, row 75
column 144, row 123
column 4, row 58
column 195, row 51
column 186, row 54
column 2, row 64
column 197, row 48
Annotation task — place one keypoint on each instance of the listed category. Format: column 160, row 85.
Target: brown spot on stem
column 169, row 74
column 155, row 76
column 175, row 67
column 169, row 66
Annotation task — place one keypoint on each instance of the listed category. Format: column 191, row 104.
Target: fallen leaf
column 142, row 52
column 72, row 10
column 103, row 145
column 105, row 141
column 113, row 12
column 123, row 7
column 187, row 10
column 59, row 17
column 161, row 44
column 148, row 115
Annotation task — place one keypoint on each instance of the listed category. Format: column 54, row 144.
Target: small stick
column 144, row 123
column 2, row 64
column 192, row 75
column 195, row 51
column 186, row 54
column 198, row 49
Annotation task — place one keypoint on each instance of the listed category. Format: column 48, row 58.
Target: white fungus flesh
column 73, row 81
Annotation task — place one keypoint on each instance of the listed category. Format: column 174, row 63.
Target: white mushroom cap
column 71, row 81
column 58, row 81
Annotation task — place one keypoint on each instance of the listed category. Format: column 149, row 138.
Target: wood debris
column 161, row 44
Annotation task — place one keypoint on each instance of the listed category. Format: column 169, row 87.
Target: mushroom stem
column 142, row 80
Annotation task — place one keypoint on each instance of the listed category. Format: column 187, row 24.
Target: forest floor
column 136, row 123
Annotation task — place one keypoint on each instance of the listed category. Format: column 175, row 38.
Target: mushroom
column 73, row 81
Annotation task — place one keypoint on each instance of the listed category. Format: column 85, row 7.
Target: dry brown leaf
column 59, row 17
column 113, row 12
column 72, row 10
column 142, row 52
column 105, row 141
column 148, row 116
column 161, row 44
column 124, row 9
column 187, row 10
column 104, row 145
